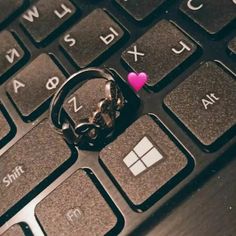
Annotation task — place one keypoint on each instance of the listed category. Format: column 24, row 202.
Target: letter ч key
column 159, row 51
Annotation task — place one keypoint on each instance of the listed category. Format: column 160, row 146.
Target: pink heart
column 137, row 80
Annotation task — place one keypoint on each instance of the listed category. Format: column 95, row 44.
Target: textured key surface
column 36, row 83
column 140, row 9
column 212, row 206
column 76, row 208
column 143, row 159
column 232, row 46
column 15, row 230
column 159, row 52
column 84, row 100
column 28, row 162
column 91, row 37
column 8, row 8
column 4, row 126
column 213, row 16
column 10, row 52
column 205, row 102
column 43, row 18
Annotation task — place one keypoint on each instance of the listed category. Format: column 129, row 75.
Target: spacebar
column 28, row 162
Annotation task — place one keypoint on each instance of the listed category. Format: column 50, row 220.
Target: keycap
column 205, row 102
column 212, row 16
column 15, row 230
column 140, row 9
column 11, row 53
column 159, row 52
column 46, row 16
column 142, row 160
column 84, row 101
column 232, row 46
column 217, row 193
column 5, row 128
column 36, row 83
column 91, row 38
column 9, row 6
column 76, row 207
column 31, row 160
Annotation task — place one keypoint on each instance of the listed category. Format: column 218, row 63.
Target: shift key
column 28, row 162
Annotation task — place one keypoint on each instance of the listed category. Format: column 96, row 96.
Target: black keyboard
column 179, row 133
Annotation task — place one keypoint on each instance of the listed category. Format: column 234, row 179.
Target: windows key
column 143, row 160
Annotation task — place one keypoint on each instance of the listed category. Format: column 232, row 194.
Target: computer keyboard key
column 46, row 16
column 76, row 207
column 211, row 15
column 143, row 159
column 31, row 160
column 5, row 128
column 10, row 52
column 8, row 8
column 15, row 230
column 140, row 9
column 36, row 83
column 232, row 46
column 205, row 102
column 159, row 51
column 91, row 37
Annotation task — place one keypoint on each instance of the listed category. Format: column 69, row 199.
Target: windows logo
column 142, row 157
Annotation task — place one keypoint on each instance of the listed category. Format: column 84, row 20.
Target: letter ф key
column 91, row 37
column 34, row 85
column 46, row 16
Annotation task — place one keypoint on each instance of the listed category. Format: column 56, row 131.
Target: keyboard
column 162, row 166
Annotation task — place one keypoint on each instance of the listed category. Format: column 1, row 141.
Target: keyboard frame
column 211, row 49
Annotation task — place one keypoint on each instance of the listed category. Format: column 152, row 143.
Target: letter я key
column 92, row 111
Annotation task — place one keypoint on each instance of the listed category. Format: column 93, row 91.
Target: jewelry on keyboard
column 101, row 122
